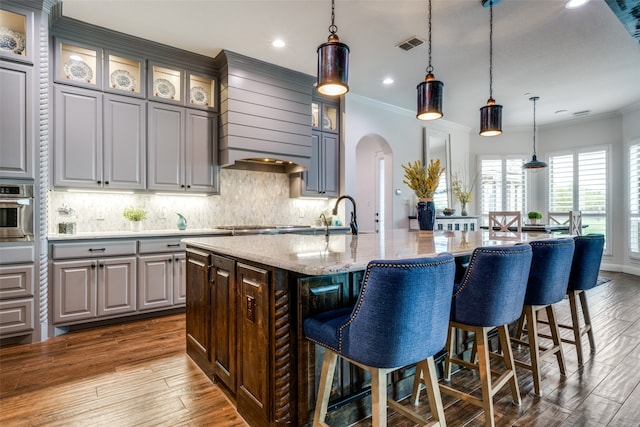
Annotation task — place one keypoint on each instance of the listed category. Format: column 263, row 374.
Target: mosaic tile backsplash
column 246, row 198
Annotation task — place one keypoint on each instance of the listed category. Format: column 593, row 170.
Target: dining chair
column 400, row 318
column 571, row 218
column 585, row 267
column 504, row 221
column 490, row 295
column 546, row 286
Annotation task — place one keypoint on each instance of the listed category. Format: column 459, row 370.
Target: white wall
column 404, row 133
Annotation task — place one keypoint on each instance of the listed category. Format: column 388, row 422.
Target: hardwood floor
column 137, row 374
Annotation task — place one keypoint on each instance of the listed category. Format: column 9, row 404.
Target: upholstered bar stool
column 584, row 276
column 491, row 295
column 400, row 318
column 547, row 285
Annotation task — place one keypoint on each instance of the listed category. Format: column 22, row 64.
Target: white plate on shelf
column 78, row 70
column 11, row 41
column 163, row 88
column 326, row 123
column 199, row 96
column 123, row 80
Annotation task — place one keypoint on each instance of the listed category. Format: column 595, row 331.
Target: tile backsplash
column 246, row 198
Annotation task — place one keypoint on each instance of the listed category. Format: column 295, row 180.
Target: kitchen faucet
column 354, row 222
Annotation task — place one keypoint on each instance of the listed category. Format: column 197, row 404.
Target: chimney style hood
column 265, row 115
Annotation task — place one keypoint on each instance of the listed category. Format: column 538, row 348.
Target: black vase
column 426, row 215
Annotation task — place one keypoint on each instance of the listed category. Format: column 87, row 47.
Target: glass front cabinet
column 124, row 75
column 78, row 64
column 17, row 37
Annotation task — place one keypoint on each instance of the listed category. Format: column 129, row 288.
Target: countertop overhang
column 319, row 254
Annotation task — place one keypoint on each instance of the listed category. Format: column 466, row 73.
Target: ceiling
column 575, row 60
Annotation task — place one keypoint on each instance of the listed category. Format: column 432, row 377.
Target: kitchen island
column 247, row 297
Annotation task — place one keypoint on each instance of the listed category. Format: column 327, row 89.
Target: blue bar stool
column 400, row 318
column 547, row 285
column 584, row 276
column 491, row 295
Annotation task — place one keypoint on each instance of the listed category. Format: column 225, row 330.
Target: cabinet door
column 155, row 284
column 224, row 318
column 16, row 122
column 166, row 134
column 198, row 317
column 116, row 286
column 77, row 137
column 179, row 279
column 312, row 178
column 74, row 290
column 253, row 343
column 124, row 142
column 16, row 281
column 16, row 317
column 201, row 149
column 330, row 164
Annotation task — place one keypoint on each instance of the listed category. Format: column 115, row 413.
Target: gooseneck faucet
column 354, row 222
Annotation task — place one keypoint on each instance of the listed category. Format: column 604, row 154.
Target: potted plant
column 462, row 191
column 534, row 217
column 424, row 181
column 136, row 215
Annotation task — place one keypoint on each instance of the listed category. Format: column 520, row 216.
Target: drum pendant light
column 491, row 114
column 333, row 63
column 430, row 90
column 534, row 164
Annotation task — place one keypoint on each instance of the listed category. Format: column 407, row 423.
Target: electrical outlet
column 100, row 214
column 163, row 212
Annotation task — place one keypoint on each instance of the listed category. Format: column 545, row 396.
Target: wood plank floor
column 137, row 374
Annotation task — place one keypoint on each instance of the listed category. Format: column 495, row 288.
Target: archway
column 374, row 160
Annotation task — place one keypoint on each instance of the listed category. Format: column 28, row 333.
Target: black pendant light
column 333, row 63
column 430, row 90
column 490, row 114
column 534, row 164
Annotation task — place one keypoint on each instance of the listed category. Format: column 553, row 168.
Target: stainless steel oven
column 16, row 212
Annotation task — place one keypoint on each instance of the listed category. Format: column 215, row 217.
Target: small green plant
column 133, row 213
column 534, row 215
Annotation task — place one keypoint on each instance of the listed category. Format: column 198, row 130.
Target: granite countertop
column 136, row 234
column 319, row 254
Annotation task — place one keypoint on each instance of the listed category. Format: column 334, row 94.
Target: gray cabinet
column 16, row 299
column 323, row 176
column 17, row 136
column 92, row 280
column 99, row 140
column 161, row 274
column 182, row 149
column 23, row 23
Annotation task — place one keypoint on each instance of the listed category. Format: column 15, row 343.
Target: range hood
column 265, row 115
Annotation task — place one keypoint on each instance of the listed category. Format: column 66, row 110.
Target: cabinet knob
column 101, row 265
column 106, row 183
column 182, row 186
column 99, row 182
column 188, row 186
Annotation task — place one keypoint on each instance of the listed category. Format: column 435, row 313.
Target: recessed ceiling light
column 387, row 81
column 572, row 4
column 278, row 43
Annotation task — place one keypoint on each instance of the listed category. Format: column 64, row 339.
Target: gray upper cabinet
column 182, row 149
column 17, row 135
column 166, row 84
column 99, row 140
column 124, row 74
column 322, row 179
column 77, row 64
column 18, row 36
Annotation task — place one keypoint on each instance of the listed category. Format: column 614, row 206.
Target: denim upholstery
column 586, row 262
column 400, row 317
column 549, row 274
column 493, row 287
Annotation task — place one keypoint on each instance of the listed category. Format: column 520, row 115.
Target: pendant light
column 534, row 164
column 430, row 90
column 490, row 114
column 333, row 62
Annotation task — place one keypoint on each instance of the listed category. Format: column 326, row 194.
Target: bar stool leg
column 555, row 336
column 575, row 320
column 503, row 333
column 447, row 360
column 378, row 397
column 534, row 346
column 587, row 320
column 324, row 389
column 484, row 369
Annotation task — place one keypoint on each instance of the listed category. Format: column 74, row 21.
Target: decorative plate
column 199, row 96
column 11, row 41
column 163, row 88
column 326, row 122
column 78, row 70
column 123, row 80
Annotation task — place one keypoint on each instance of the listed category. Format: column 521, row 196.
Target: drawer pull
column 173, row 245
column 97, row 249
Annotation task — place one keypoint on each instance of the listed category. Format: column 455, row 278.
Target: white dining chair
column 503, row 220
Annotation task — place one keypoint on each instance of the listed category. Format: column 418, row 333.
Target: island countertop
column 336, row 253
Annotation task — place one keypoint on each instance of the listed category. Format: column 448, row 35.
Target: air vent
column 410, row 43
column 581, row 113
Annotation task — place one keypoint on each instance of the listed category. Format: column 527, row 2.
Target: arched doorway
column 374, row 183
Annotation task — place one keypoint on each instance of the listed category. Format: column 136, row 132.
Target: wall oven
column 16, row 212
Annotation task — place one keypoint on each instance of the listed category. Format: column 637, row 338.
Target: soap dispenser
column 182, row 222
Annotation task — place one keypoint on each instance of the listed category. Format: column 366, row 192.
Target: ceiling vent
column 410, row 43
column 581, row 113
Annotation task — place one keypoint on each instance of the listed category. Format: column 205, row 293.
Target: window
column 634, row 199
column 578, row 181
column 503, row 186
